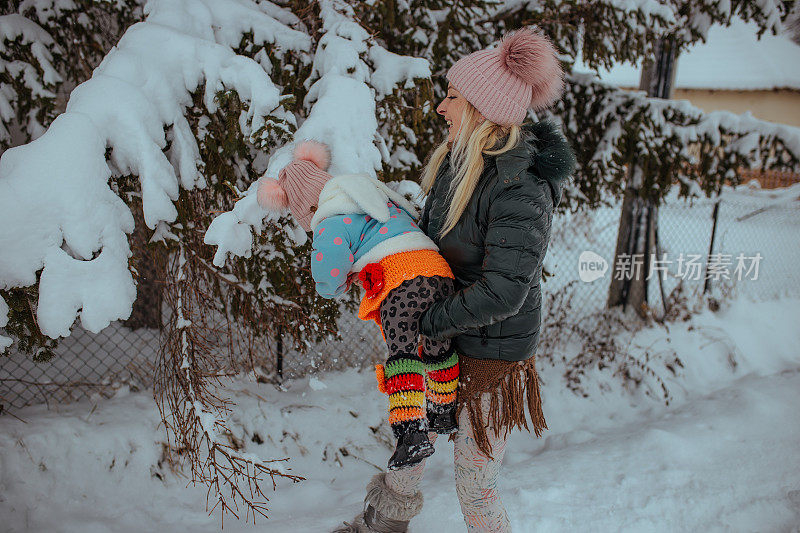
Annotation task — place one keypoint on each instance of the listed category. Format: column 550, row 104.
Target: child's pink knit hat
column 299, row 183
column 504, row 82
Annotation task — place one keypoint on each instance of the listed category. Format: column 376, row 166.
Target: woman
column 492, row 187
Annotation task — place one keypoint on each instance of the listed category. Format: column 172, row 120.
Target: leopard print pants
column 406, row 373
column 400, row 312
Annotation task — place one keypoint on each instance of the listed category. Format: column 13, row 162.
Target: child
column 361, row 226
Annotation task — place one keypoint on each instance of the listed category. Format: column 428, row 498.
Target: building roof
column 732, row 58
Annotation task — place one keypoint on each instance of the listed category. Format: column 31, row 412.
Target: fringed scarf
column 509, row 382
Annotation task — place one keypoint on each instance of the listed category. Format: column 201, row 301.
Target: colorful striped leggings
column 416, row 380
column 476, row 478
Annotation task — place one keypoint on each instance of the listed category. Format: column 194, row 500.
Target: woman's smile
column 452, row 108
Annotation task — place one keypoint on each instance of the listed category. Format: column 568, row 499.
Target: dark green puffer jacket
column 497, row 247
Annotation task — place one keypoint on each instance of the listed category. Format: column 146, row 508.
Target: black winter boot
column 413, row 444
column 443, row 421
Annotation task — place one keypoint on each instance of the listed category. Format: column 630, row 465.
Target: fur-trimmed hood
column 358, row 194
column 544, row 148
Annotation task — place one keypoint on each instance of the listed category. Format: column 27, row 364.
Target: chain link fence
column 85, row 364
column 742, row 244
column 746, row 223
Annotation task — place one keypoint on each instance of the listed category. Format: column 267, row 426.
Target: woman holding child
column 462, row 284
column 492, row 187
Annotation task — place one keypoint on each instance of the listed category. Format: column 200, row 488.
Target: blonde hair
column 476, row 136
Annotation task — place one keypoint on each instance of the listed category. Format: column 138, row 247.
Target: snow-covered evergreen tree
column 28, row 78
column 181, row 117
column 203, row 97
column 46, row 45
column 140, row 101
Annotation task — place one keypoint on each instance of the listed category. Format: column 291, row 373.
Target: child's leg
column 407, row 481
column 441, row 383
column 441, row 369
column 404, row 372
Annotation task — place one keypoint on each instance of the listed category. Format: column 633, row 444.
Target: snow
column 55, row 193
column 722, row 462
column 316, row 384
column 5, row 342
column 15, row 28
column 392, row 69
column 722, row 456
column 732, row 58
column 343, row 88
column 224, row 22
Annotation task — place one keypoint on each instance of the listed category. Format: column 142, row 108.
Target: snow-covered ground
column 723, row 456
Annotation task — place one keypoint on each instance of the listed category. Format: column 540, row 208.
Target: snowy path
column 730, row 461
column 724, row 460
column 727, row 462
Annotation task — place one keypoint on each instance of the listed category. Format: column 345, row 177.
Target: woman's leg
column 476, row 477
column 393, row 499
column 386, row 510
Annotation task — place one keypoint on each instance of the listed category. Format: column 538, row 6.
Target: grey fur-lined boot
column 385, row 511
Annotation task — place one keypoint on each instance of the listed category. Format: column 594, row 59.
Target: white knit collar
column 357, row 194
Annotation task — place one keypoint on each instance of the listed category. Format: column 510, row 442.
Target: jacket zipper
column 484, row 336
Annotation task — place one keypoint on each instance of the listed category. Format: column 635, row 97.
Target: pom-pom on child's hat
column 504, row 82
column 299, row 183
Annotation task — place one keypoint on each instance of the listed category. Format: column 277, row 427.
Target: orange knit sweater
column 398, row 268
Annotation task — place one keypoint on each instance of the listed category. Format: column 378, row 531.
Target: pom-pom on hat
column 504, row 82
column 299, row 183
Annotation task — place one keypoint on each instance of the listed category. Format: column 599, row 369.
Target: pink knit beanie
column 504, row 82
column 299, row 183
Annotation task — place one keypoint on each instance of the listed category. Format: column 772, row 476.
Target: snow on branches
column 46, row 48
column 27, row 74
column 672, row 139
column 58, row 213
column 350, row 70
